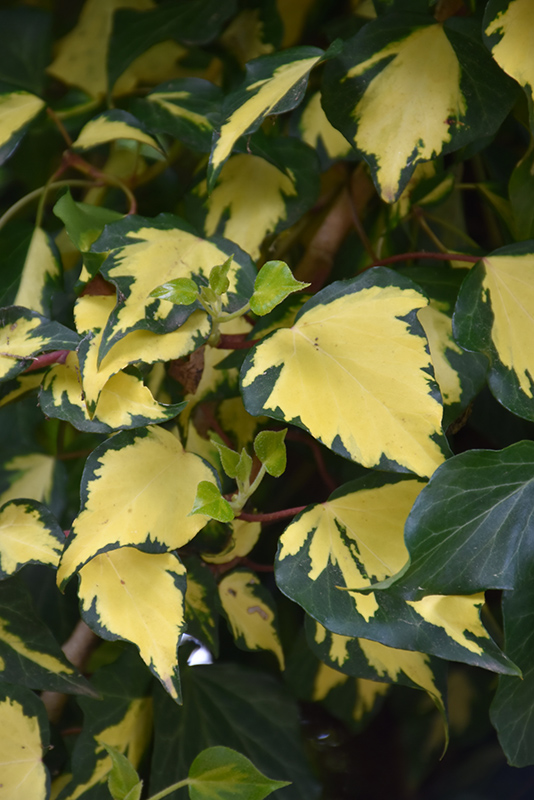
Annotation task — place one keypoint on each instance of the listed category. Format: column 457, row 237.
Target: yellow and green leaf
column 112, row 125
column 24, row 334
column 315, row 129
column 399, row 62
column 495, row 316
column 40, row 274
column 354, row 371
column 19, row 386
column 187, row 109
column 202, row 605
column 137, row 489
column 507, row 33
column 250, row 611
column 148, row 253
column 273, row 84
column 124, row 402
column 17, row 110
column 332, row 553
column 29, row 534
column 243, row 539
column 23, row 737
column 30, row 476
column 288, row 175
column 139, row 597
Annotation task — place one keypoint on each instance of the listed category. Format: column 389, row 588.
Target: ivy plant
column 266, row 396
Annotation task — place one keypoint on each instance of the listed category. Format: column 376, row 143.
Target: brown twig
column 273, row 516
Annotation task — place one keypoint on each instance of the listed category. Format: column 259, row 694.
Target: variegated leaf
column 30, row 476
column 356, row 539
column 249, row 609
column 29, row 653
column 356, row 347
column 314, row 128
column 23, row 737
column 137, row 489
column 92, row 313
column 288, row 175
column 187, row 108
column 440, row 89
column 19, row 386
column 244, row 536
column 40, row 274
column 124, row 402
column 202, row 605
column 17, row 109
column 112, row 125
column 507, row 31
column 495, row 316
column 29, row 534
column 273, row 84
column 146, row 254
column 25, row 333
column 139, row 597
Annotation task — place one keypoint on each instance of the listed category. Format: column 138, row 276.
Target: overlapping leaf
column 29, row 653
column 148, row 253
column 23, row 334
column 137, row 489
column 244, row 536
column 315, row 129
column 17, row 109
column 112, row 125
column 354, row 371
column 288, row 175
column 29, row 534
column 124, row 402
column 40, row 274
column 439, row 87
column 495, row 315
column 251, row 613
column 30, row 476
column 356, row 539
column 187, row 108
column 202, row 604
column 127, row 594
column 23, row 736
column 273, row 84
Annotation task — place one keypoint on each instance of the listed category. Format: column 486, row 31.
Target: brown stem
column 423, row 254
column 59, row 125
column 273, row 516
column 77, row 162
column 235, row 341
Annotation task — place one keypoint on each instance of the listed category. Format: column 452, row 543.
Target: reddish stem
column 235, row 341
column 273, row 516
column 423, row 254
column 57, row 357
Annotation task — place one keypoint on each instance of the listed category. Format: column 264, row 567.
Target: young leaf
column 211, row 503
column 83, row 222
column 274, row 283
column 229, row 459
column 221, row 772
column 17, row 109
column 123, row 780
column 129, row 497
column 354, row 371
column 182, row 291
column 23, row 736
column 251, row 613
column 112, row 125
column 457, row 94
column 273, row 84
column 139, row 597
column 270, row 448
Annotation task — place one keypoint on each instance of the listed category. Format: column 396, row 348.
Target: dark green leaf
column 24, row 47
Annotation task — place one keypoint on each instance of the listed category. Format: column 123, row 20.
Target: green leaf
column 24, row 47
column 134, row 31
column 123, row 778
column 454, row 89
column 495, row 316
column 84, row 223
column 146, row 253
column 17, row 110
column 112, row 125
column 129, row 497
column 229, row 459
column 521, row 191
column 235, row 707
column 274, row 283
column 351, row 542
column 29, row 653
column 221, row 772
column 182, row 291
column 139, row 597
column 356, row 347
column 187, row 109
column 211, row 503
column 218, row 280
column 250, row 611
column 504, row 27
column 270, row 448
column 287, row 172
column 273, row 84
column 24, row 334
column 23, row 737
